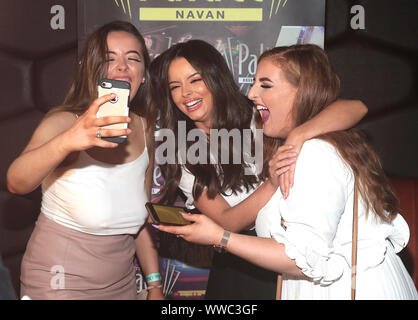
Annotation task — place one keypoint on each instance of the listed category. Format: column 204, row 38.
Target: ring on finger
column 98, row 133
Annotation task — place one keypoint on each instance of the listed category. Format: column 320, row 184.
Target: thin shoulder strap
column 145, row 134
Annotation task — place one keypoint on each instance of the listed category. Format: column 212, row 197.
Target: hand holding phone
column 166, row 215
column 115, row 107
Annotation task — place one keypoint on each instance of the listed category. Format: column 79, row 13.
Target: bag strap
column 279, row 276
column 353, row 251
column 354, row 243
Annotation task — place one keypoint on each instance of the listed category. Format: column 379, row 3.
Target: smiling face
column 190, row 93
column 274, row 98
column 125, row 61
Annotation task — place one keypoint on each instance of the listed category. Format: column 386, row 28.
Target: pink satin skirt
column 62, row 263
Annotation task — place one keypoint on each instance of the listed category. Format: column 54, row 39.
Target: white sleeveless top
column 187, row 182
column 96, row 197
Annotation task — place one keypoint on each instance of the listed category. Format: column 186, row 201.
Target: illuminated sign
column 238, row 10
column 201, row 14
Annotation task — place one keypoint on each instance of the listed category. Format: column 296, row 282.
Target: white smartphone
column 116, row 107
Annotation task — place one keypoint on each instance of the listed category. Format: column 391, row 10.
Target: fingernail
column 156, row 226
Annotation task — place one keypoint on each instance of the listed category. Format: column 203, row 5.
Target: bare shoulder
column 51, row 125
column 59, row 118
column 58, row 121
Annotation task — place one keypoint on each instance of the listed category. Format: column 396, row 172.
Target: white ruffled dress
column 318, row 218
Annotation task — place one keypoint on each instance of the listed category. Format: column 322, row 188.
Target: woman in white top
column 194, row 87
column 313, row 247
column 92, row 214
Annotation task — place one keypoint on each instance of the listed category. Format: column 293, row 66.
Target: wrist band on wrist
column 224, row 241
column 153, row 277
column 154, row 287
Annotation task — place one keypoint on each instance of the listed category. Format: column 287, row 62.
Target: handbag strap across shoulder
column 354, row 242
column 353, row 250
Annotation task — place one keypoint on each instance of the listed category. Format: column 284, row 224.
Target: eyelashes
column 191, row 81
column 130, row 59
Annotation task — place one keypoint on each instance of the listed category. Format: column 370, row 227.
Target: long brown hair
column 307, row 68
column 92, row 66
column 232, row 110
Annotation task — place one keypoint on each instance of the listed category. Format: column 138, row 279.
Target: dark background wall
column 377, row 65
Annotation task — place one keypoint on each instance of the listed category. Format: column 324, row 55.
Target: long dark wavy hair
column 232, row 110
column 307, row 68
column 92, row 66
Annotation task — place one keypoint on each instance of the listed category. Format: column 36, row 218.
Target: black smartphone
column 116, row 107
column 167, row 215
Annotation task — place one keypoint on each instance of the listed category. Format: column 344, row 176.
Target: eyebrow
column 265, row 79
column 128, row 52
column 191, row 76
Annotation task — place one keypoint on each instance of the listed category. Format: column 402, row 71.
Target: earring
column 143, row 79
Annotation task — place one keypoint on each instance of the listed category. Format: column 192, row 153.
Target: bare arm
column 45, row 151
column 339, row 115
column 148, row 258
column 54, row 139
column 264, row 252
column 146, row 250
column 243, row 215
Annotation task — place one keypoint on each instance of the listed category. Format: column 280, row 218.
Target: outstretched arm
column 264, row 252
column 243, row 215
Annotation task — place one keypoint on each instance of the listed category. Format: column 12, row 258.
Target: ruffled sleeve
column 312, row 212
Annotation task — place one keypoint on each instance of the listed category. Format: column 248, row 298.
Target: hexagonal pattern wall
column 377, row 65
column 35, row 63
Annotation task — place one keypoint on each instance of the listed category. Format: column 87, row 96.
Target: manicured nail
column 156, row 226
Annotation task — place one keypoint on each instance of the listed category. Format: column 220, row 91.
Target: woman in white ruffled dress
column 307, row 236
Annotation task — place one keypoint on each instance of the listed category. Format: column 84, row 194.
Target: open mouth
column 264, row 112
column 127, row 79
column 194, row 104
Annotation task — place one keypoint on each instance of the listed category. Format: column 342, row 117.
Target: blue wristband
column 153, row 277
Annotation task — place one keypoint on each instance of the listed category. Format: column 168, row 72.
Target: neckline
column 108, row 164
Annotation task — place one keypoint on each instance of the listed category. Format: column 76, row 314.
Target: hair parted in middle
column 232, row 110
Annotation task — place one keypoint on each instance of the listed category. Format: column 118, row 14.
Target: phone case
column 116, row 107
column 167, row 215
